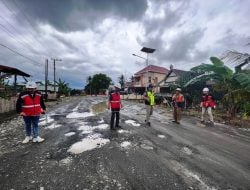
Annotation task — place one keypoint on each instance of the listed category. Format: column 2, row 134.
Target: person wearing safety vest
column 115, row 104
column 149, row 102
column 30, row 105
column 207, row 104
column 178, row 104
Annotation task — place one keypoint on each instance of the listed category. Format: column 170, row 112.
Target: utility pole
column 46, row 79
column 54, row 60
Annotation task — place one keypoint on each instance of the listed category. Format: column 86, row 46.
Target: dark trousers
column 31, row 123
column 115, row 116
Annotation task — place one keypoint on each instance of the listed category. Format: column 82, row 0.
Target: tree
column 88, row 87
column 100, row 82
column 122, row 81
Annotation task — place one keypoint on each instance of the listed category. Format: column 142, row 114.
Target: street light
column 147, row 51
column 139, row 56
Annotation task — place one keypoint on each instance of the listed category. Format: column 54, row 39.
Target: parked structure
column 170, row 79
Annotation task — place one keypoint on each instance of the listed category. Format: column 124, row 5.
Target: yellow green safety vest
column 151, row 98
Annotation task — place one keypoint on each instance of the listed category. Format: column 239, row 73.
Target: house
column 170, row 79
column 151, row 74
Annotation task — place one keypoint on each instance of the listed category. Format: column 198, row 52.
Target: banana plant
column 235, row 86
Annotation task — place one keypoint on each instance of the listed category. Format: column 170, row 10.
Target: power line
column 25, row 18
column 16, row 52
column 30, row 23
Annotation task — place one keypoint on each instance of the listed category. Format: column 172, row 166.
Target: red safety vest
column 31, row 106
column 115, row 101
column 207, row 101
column 179, row 98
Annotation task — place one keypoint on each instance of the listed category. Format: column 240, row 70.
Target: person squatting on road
column 115, row 104
column 30, row 105
column 178, row 104
column 149, row 102
column 207, row 104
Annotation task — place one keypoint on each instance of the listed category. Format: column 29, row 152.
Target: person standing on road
column 149, row 102
column 207, row 104
column 178, row 104
column 30, row 105
column 115, row 104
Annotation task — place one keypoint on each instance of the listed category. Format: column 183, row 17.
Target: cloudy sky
column 100, row 36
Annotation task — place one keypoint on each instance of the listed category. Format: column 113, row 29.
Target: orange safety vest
column 115, row 102
column 31, row 105
column 207, row 101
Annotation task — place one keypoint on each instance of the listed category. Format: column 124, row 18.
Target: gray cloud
column 70, row 15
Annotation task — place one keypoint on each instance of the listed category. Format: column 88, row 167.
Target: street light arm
column 139, row 56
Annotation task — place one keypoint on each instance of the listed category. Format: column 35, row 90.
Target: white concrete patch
column 75, row 109
column 180, row 169
column 244, row 129
column 146, row 147
column 75, row 115
column 101, row 121
column 187, row 150
column 86, row 132
column 46, row 121
column 87, row 144
column 53, row 126
column 69, row 134
column 203, row 185
column 94, row 136
column 102, row 126
column 125, row 144
column 133, row 123
column 65, row 161
column 161, row 136
column 122, row 131
column 85, row 128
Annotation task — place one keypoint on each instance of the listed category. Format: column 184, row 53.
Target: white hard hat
column 111, row 87
column 178, row 89
column 31, row 84
column 205, row 90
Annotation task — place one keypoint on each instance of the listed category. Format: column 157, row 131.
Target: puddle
column 99, row 107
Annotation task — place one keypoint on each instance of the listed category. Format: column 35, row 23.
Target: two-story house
column 151, row 74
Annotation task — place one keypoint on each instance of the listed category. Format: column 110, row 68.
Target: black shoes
column 177, row 122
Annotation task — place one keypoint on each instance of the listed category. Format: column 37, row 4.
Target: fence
column 7, row 105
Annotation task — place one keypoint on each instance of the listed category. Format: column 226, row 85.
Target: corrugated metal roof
column 12, row 70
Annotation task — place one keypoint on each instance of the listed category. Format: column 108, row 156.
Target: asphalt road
column 80, row 152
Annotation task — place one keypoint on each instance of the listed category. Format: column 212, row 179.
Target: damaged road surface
column 80, row 152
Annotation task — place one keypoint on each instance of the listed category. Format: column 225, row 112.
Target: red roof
column 153, row 68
